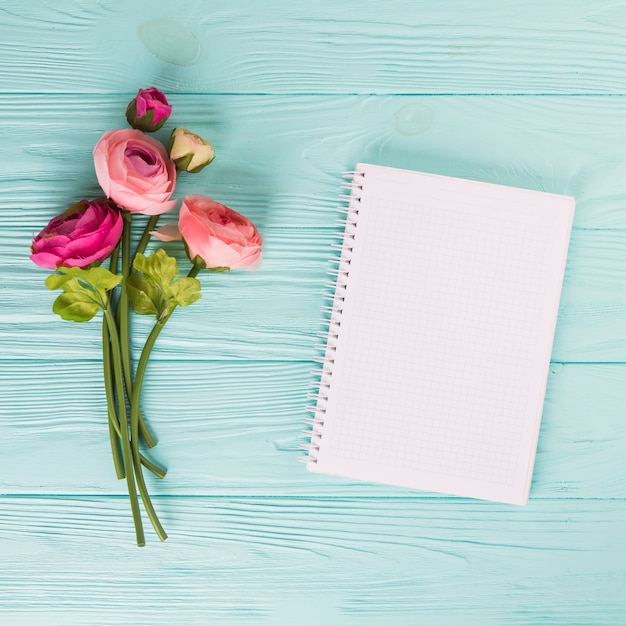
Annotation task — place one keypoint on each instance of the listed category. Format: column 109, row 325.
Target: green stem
column 193, row 272
column 113, row 259
column 134, row 410
column 145, row 237
column 114, row 431
column 158, row 471
column 134, row 413
column 114, row 426
column 147, row 435
column 126, row 444
column 123, row 317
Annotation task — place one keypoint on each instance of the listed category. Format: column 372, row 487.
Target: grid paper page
column 441, row 362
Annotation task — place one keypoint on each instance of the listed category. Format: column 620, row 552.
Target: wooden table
column 292, row 94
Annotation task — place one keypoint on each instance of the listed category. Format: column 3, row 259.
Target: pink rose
column 85, row 233
column 148, row 110
column 218, row 235
column 135, row 171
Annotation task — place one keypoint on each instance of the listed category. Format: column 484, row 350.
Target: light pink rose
column 85, row 233
column 135, row 171
column 218, row 235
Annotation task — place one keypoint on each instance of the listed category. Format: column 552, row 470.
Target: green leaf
column 56, row 281
column 159, row 266
column 144, row 296
column 185, row 291
column 98, row 277
column 75, row 307
column 84, row 291
column 155, row 290
column 102, row 279
column 141, row 263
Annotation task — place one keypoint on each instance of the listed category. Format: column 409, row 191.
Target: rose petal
column 167, row 232
column 45, row 259
column 158, row 209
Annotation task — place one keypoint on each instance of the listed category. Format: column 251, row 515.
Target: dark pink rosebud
column 148, row 110
column 84, row 234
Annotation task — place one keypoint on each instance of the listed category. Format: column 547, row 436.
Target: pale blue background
column 292, row 94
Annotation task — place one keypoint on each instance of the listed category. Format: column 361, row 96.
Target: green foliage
column 154, row 288
column 75, row 307
column 144, row 295
column 84, row 291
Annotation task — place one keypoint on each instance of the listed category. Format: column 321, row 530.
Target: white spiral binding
column 340, row 270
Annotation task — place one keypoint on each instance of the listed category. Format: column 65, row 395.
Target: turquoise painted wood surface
column 292, row 94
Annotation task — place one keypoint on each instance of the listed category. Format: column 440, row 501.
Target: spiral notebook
column 439, row 334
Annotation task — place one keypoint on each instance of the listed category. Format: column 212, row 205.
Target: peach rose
column 135, row 171
column 221, row 237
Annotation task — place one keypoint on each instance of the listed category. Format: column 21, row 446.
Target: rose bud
column 148, row 110
column 217, row 235
column 135, row 171
column 189, row 151
column 86, row 233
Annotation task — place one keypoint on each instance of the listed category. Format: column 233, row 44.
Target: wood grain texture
column 310, row 561
column 564, row 145
column 279, row 159
column 235, row 428
column 274, row 314
column 529, row 94
column 322, row 47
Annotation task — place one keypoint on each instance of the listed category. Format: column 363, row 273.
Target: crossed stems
column 118, row 383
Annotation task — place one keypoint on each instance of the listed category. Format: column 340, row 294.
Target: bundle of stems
column 127, row 426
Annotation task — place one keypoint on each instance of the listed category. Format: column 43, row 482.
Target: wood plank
column 291, row 192
column 254, row 538
column 279, row 159
column 302, row 47
column 273, row 314
column 264, row 561
column 235, row 428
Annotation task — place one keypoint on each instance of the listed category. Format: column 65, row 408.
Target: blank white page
column 436, row 378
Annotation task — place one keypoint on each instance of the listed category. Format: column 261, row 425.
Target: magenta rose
column 148, row 110
column 221, row 237
column 135, row 171
column 83, row 234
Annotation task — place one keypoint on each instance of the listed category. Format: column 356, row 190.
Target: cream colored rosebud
column 189, row 151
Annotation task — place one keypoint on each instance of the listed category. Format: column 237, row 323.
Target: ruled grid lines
column 437, row 307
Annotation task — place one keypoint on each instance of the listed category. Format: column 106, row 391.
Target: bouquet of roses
column 138, row 176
